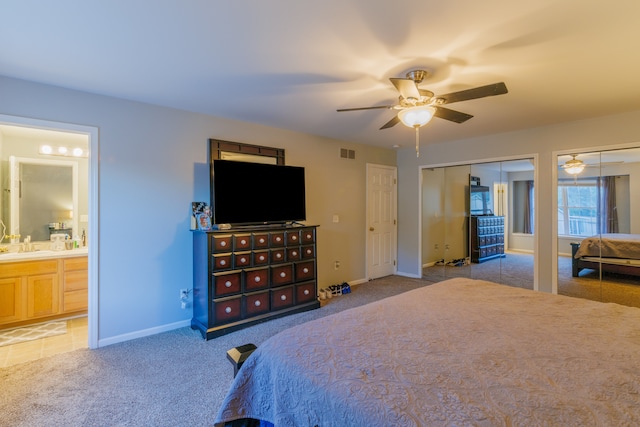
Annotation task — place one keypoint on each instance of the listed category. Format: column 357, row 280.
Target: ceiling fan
column 418, row 106
column 576, row 166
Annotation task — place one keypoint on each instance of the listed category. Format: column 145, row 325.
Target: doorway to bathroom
column 67, row 143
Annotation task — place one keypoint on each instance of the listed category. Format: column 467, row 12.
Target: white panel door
column 381, row 220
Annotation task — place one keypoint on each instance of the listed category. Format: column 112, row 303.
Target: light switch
column 336, row 218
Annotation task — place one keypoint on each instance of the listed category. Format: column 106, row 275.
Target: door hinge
column 395, row 181
column 394, row 262
column 394, row 222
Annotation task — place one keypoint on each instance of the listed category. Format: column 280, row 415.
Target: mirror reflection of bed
column 598, row 233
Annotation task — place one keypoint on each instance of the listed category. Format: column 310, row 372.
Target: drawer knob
column 305, row 270
column 257, row 303
column 227, row 310
column 261, row 240
column 309, row 236
column 257, row 279
column 294, row 253
column 306, row 292
column 228, row 283
column 283, row 297
column 261, row 257
column 309, row 251
column 278, row 255
column 243, row 242
column 243, row 260
column 223, row 243
column 294, row 237
column 278, row 239
column 223, row 262
column 283, row 274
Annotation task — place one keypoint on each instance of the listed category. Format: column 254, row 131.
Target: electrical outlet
column 184, row 294
column 336, row 265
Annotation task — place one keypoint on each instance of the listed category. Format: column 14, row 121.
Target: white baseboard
column 403, row 274
column 143, row 333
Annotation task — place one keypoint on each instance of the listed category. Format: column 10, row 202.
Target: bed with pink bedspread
column 614, row 253
column 458, row 352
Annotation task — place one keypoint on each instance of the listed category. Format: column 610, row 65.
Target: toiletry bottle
column 84, row 238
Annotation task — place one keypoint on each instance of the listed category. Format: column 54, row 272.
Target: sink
column 41, row 254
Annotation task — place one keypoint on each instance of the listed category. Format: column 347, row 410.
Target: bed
column 458, row 352
column 614, row 253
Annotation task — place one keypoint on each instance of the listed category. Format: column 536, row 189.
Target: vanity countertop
column 41, row 255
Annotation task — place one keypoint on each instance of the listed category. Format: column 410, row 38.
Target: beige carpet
column 516, row 269
column 34, row 332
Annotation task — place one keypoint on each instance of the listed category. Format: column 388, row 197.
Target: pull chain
column 417, row 141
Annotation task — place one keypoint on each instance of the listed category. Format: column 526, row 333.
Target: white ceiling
column 290, row 63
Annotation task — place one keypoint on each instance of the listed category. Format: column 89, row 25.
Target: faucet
column 27, row 247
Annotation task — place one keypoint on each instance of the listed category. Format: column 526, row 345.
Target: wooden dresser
column 487, row 237
column 249, row 275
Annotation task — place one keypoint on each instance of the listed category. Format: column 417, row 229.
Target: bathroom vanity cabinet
column 249, row 275
column 37, row 290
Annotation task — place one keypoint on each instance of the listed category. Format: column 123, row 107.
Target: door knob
column 371, row 229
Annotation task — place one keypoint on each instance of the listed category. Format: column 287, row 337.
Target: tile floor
column 75, row 338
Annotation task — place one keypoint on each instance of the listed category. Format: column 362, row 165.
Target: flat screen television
column 257, row 193
column 480, row 200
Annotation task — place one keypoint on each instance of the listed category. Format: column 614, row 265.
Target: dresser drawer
column 281, row 275
column 308, row 252
column 305, row 292
column 260, row 240
column 241, row 242
column 292, row 237
column 256, row 279
column 261, row 258
column 277, row 256
column 226, row 283
column 281, row 298
column 242, row 259
column 276, row 239
column 221, row 242
column 308, row 235
column 227, row 310
column 305, row 270
column 222, row 261
column 293, row 254
column 256, row 303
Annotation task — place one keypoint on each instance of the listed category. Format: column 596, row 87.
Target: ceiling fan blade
column 388, row 107
column 391, row 123
column 452, row 115
column 475, row 93
column 407, row 88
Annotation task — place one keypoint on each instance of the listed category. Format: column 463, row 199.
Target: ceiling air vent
column 347, row 154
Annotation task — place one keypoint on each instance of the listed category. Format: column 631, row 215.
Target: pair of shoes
column 456, row 262
column 340, row 289
column 439, row 262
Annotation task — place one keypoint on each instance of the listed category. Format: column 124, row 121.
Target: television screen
column 480, row 200
column 257, row 193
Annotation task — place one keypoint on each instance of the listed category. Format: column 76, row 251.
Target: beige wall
column 153, row 164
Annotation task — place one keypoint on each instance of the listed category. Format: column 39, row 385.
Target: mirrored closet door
column 474, row 217
column 598, row 226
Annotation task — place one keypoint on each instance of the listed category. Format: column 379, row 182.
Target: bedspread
column 618, row 245
column 459, row 352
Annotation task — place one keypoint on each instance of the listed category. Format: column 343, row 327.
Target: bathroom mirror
column 47, row 173
column 44, row 196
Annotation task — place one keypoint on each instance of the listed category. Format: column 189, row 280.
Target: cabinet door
column 10, row 300
column 43, row 295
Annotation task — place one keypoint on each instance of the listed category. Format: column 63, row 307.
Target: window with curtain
column 580, row 201
column 523, row 209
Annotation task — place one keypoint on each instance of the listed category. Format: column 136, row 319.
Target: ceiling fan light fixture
column 416, row 116
column 573, row 167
